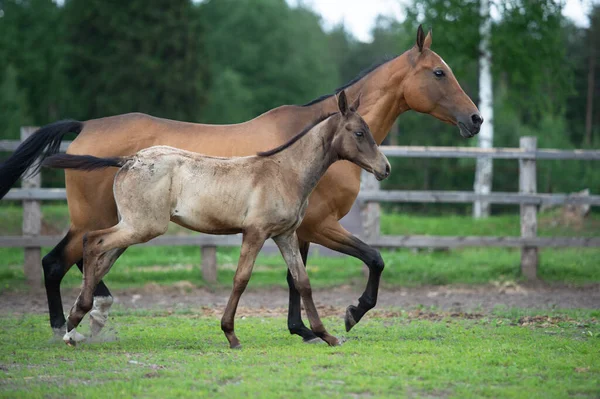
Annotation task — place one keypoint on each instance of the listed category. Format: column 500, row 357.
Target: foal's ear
column 356, row 103
column 343, row 102
column 420, row 38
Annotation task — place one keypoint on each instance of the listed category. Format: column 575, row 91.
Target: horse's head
column 354, row 141
column 431, row 88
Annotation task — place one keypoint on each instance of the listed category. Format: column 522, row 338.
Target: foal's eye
column 439, row 73
column 359, row 133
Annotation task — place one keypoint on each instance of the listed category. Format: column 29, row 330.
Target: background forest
column 226, row 61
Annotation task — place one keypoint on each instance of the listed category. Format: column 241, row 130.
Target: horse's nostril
column 387, row 170
column 476, row 119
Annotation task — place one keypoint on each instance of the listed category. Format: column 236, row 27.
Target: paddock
column 457, row 316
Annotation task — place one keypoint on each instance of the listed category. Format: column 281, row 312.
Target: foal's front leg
column 288, row 245
column 252, row 243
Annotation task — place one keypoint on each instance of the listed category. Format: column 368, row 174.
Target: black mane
column 361, row 75
column 295, row 138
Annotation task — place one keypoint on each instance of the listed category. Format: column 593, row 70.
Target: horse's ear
column 427, row 42
column 420, row 38
column 356, row 103
column 343, row 102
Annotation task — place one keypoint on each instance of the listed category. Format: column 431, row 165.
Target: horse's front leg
column 330, row 233
column 252, row 243
column 288, row 245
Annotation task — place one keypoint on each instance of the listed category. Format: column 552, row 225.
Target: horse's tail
column 83, row 162
column 43, row 143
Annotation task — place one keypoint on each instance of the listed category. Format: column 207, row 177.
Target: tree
column 31, row 40
column 278, row 54
column 126, row 56
column 13, row 105
column 594, row 32
column 484, row 167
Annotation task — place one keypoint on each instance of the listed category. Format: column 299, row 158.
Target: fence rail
column 31, row 194
column 437, row 152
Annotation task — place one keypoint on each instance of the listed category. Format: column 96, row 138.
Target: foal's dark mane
column 296, row 137
column 361, row 75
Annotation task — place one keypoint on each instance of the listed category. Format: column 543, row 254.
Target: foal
column 262, row 196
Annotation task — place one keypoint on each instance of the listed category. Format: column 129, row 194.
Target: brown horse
column 418, row 79
column 262, row 196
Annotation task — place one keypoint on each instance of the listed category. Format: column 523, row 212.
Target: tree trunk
column 484, row 171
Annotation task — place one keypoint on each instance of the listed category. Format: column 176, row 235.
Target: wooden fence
column 31, row 194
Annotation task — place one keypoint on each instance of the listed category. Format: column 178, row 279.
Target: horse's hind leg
column 295, row 323
column 56, row 264
column 288, row 245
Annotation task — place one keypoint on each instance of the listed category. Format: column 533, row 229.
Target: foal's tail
column 43, row 143
column 83, row 162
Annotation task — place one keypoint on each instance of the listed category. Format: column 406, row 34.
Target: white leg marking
column 99, row 313
column 73, row 335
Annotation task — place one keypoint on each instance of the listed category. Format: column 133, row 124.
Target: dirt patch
column 458, row 300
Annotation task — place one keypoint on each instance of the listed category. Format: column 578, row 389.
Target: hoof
column 72, row 337
column 313, row 341
column 236, row 346
column 349, row 319
column 332, row 341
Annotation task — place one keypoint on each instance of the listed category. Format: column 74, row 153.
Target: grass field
column 165, row 265
column 507, row 354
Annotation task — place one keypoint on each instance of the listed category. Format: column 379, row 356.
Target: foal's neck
column 307, row 159
column 382, row 96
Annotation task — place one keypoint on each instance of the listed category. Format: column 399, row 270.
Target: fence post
column 32, row 224
column 370, row 211
column 209, row 263
column 528, row 185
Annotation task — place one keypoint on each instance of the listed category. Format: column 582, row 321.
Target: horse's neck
column 308, row 158
column 382, row 96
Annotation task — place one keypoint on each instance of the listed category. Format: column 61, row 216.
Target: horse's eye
column 439, row 73
column 359, row 133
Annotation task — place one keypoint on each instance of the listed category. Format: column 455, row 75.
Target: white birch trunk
column 484, row 171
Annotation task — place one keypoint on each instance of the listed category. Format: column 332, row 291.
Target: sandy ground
column 331, row 301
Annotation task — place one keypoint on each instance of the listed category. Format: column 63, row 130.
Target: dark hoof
column 313, row 341
column 235, row 346
column 349, row 319
column 71, row 343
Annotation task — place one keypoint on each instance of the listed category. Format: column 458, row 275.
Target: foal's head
column 431, row 88
column 354, row 142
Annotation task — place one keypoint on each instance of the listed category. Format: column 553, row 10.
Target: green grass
column 166, row 265
column 184, row 354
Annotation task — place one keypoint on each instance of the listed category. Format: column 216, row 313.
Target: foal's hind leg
column 101, row 250
column 56, row 264
column 288, row 245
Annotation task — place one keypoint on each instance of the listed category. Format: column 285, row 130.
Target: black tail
column 83, row 162
column 40, row 145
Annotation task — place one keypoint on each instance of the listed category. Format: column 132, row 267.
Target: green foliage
column 184, row 354
column 13, row 105
column 130, row 56
column 271, row 53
